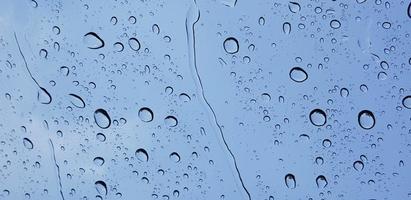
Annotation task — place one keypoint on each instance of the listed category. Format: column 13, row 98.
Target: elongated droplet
column 27, row 143
column 294, row 7
column 290, row 181
column 286, row 28
column 366, row 119
column 102, row 118
column 298, row 74
column 134, row 44
column 93, row 41
column 77, row 101
column 101, row 187
column 43, row 96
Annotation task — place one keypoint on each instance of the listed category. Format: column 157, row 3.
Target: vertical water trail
column 193, row 16
column 58, row 169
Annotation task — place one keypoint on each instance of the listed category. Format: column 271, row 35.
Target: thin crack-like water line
column 25, row 62
column 58, row 169
column 194, row 60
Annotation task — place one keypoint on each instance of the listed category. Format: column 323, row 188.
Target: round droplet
column 134, row 44
column 298, row 74
column 321, row 181
column 77, row 101
column 184, row 97
column 27, row 143
column 366, row 119
column 171, row 121
column 344, row 92
column 286, row 28
column 118, row 46
column 175, row 157
column 142, row 155
column 99, row 161
column 294, row 7
column 101, row 187
column 384, row 65
column 43, row 96
column 406, row 102
column 318, row 117
column 101, row 137
column 386, row 25
column 43, row 53
column 145, row 114
column 290, row 181
column 102, row 118
column 335, row 24
column 93, row 41
column 231, row 45
column 358, row 165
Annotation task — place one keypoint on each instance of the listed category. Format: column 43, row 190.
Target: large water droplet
column 43, row 96
column 294, row 7
column 366, row 119
column 358, row 165
column 231, row 45
column 298, row 74
column 171, row 121
column 134, row 44
column 290, row 181
column 145, row 114
column 409, row 10
column 335, row 24
column 321, row 181
column 318, row 117
column 406, row 102
column 27, row 143
column 101, row 187
column 142, row 155
column 77, row 101
column 93, row 41
column 102, row 118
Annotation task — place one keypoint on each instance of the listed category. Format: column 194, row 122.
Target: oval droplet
column 102, row 118
column 93, row 41
column 43, row 96
column 294, row 7
column 318, row 117
column 27, row 143
column 321, row 181
column 134, row 44
column 171, row 121
column 366, row 119
column 290, row 181
column 335, row 24
column 175, row 157
column 142, row 155
column 358, row 165
column 286, row 28
column 101, row 187
column 406, row 102
column 99, row 161
column 298, row 74
column 77, row 101
column 145, row 114
column 344, row 92
column 231, row 45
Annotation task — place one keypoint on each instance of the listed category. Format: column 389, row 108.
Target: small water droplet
column 184, row 97
column 77, row 101
column 145, row 114
column 261, row 21
column 101, row 137
column 134, row 44
column 118, row 46
column 142, row 155
column 366, row 119
column 358, row 165
column 175, row 157
column 298, row 74
column 321, row 181
column 93, row 41
column 290, row 181
column 171, row 121
column 102, row 118
column 27, row 143
column 335, row 24
column 344, row 92
column 286, row 28
column 294, row 7
column 101, row 187
column 361, row 1
column 99, row 161
column 231, row 45
column 318, row 117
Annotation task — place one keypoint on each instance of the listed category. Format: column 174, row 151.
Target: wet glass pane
column 205, row 99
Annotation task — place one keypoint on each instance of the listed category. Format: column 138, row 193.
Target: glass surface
column 205, row 99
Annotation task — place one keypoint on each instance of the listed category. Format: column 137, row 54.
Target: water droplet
column 43, row 53
column 366, row 119
column 361, row 1
column 64, row 70
column 184, row 97
column 358, row 165
column 231, row 45
column 101, row 137
column 384, row 65
column 27, row 143
column 132, row 20
column 99, row 161
column 344, row 92
column 155, row 29
column 409, row 10
column 145, row 114
column 134, row 44
column 113, row 20
column 298, row 74
column 93, row 41
column 171, row 121
column 56, row 30
column 406, row 102
column 294, row 7
column 363, row 88
column 118, row 46
column 77, row 101
column 321, row 181
column 382, row 76
column 287, row 28
column 142, row 155
column 102, row 118
column 386, row 25
column 101, row 187
column 261, row 21
column 319, row 160
column 175, row 157
column 290, row 181
column 335, row 24
column 43, row 96
column 318, row 117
